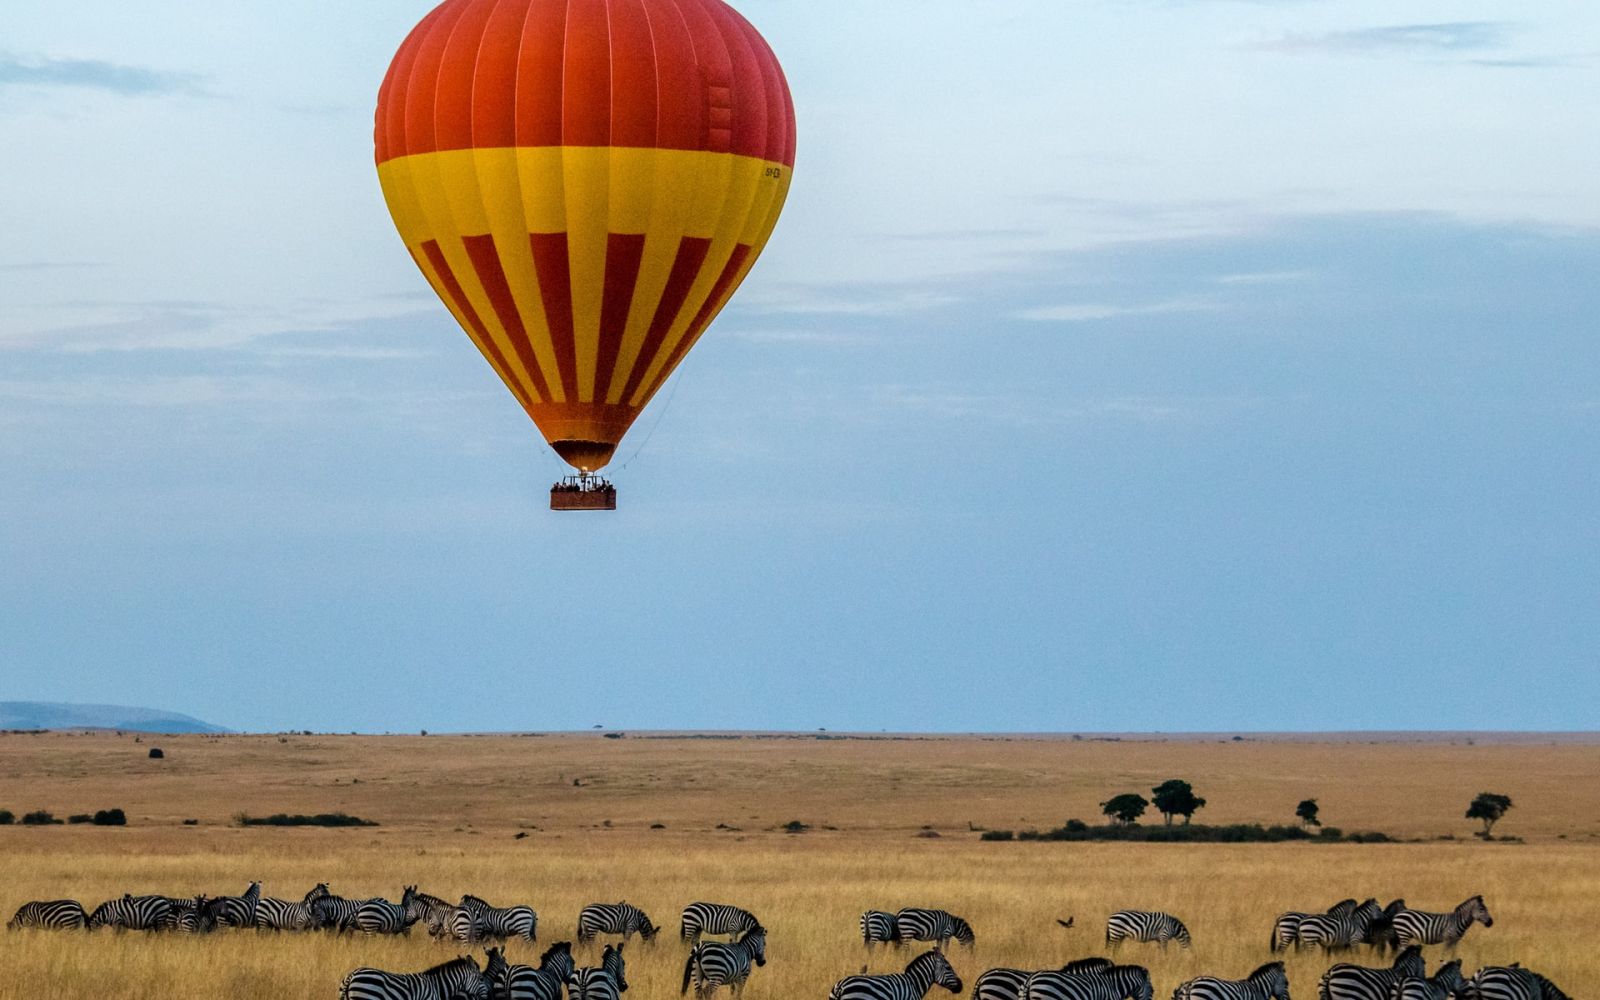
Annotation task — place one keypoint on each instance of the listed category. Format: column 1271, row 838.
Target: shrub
column 77, row 818
column 7, row 817
column 39, row 817
column 156, row 754
column 997, row 835
column 110, row 817
column 795, row 826
column 320, row 819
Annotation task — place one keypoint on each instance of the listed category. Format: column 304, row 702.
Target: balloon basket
column 583, row 492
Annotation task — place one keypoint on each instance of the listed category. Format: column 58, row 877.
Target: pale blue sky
column 1126, row 364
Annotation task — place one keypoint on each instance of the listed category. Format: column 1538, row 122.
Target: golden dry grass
column 450, row 807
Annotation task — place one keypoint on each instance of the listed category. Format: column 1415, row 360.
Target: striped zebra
column 433, row 912
column 1358, row 982
column 614, row 918
column 938, row 926
column 1144, row 925
column 606, row 981
column 879, row 926
column 1331, row 931
column 499, row 923
column 189, row 916
column 1269, row 982
column 1011, row 984
column 1286, row 929
column 457, row 978
column 712, row 963
column 1380, row 933
column 524, row 982
column 1499, row 982
column 337, row 913
column 1117, row 982
column 924, row 972
column 1421, row 927
column 715, row 918
column 50, row 914
column 379, row 916
column 283, row 915
column 132, row 913
column 1446, row 984
column 235, row 911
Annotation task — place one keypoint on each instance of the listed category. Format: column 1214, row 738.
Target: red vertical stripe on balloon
column 702, row 319
column 586, row 76
column 494, row 77
column 633, row 76
column 623, row 253
column 555, row 288
column 539, row 62
column 486, row 261
column 685, row 268
column 458, row 297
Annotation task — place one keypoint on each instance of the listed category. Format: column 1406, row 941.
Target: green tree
column 1125, row 809
column 1176, row 798
column 1307, row 811
column 1488, row 807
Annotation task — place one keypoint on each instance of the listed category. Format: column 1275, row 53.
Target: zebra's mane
column 1342, row 906
column 752, row 932
column 931, row 957
column 474, row 899
column 1266, row 970
column 1088, row 965
column 550, row 953
column 1394, row 907
column 457, row 964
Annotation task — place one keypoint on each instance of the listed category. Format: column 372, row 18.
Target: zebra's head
column 755, row 942
column 1479, row 912
column 494, row 966
column 1449, row 977
column 1547, row 989
column 557, row 959
column 317, row 892
column 962, row 931
column 101, row 915
column 1274, row 978
column 1133, row 979
column 932, row 965
column 1410, row 963
column 649, row 930
column 611, row 961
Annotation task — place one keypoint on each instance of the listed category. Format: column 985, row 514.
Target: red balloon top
column 664, row 74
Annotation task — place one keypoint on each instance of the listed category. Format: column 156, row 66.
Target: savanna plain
column 560, row 820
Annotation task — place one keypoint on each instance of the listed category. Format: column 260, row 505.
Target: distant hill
column 59, row 715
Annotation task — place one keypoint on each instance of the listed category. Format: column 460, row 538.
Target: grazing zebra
column 338, row 913
column 432, row 911
column 189, row 916
column 1269, row 982
column 876, row 925
column 480, row 921
column 1380, row 933
column 1142, row 925
column 926, row 971
column 715, row 918
column 1421, row 927
column 283, row 915
column 614, row 918
column 1286, row 929
column 235, row 911
column 604, row 982
column 1499, row 982
column 1012, row 984
column 1116, row 982
column 1446, row 984
column 916, row 924
column 52, row 914
column 1358, row 982
column 133, row 913
column 1339, row 930
column 523, row 982
column 712, row 964
column 379, row 916
column 459, row 977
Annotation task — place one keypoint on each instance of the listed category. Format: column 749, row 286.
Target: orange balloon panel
column 584, row 183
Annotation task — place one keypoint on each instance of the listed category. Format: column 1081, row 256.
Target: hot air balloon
column 584, row 183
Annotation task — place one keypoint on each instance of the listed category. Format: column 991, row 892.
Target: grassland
column 451, row 807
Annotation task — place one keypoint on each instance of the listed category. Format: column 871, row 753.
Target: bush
column 7, row 817
column 156, row 754
column 320, row 819
column 110, row 817
column 79, row 818
column 795, row 826
column 1236, row 833
column 997, row 835
column 39, row 817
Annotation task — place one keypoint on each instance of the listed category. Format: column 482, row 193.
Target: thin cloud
column 94, row 74
column 1089, row 312
column 1445, row 36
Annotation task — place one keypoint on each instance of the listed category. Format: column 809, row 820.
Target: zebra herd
column 1347, row 923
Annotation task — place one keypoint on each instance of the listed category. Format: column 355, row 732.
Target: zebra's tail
column 688, row 970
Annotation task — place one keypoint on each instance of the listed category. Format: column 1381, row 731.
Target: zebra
column 715, row 918
column 1269, row 982
column 1010, row 984
column 1286, row 929
column 480, row 920
column 1358, row 982
column 1116, row 982
column 603, row 982
column 879, row 926
column 432, row 911
column 283, row 915
column 1421, row 927
column 189, row 916
column 51, row 914
column 916, row 924
column 459, row 977
column 615, row 918
column 924, row 972
column 338, row 913
column 1380, row 933
column 1446, row 984
column 135, row 913
column 379, row 916
column 712, row 963
column 1339, row 930
column 1143, row 925
column 1499, row 982
column 235, row 911
column 523, row 982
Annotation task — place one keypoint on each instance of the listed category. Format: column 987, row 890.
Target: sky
column 1117, row 365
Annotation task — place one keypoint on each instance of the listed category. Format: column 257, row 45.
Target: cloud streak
column 94, row 74
column 1445, row 36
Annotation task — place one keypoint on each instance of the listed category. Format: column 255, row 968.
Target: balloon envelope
column 584, row 183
